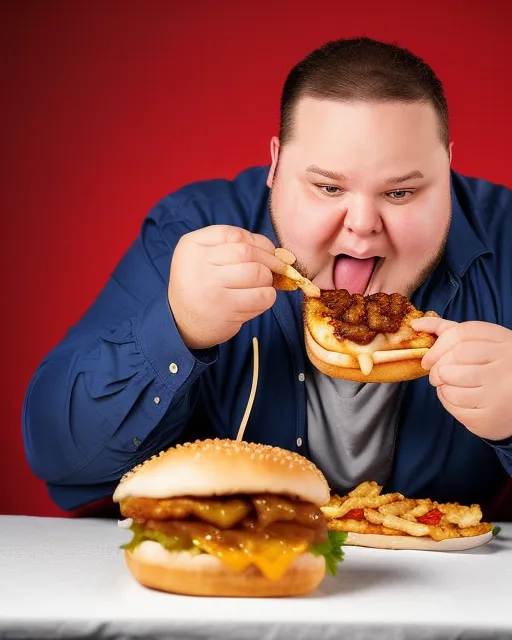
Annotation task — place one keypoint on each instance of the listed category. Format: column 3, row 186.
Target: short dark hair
column 362, row 69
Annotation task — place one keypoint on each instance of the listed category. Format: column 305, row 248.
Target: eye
column 400, row 194
column 329, row 189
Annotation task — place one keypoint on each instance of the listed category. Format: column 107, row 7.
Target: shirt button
column 173, row 367
column 302, row 377
column 299, row 442
column 156, row 400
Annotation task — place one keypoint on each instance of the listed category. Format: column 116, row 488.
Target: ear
column 451, row 152
column 274, row 154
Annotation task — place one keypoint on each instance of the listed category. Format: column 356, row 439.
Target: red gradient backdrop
column 108, row 105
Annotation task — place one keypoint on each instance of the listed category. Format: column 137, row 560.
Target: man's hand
column 220, row 277
column 471, row 366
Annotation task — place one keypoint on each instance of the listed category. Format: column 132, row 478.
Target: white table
column 67, row 578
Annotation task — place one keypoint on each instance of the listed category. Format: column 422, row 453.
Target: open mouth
column 354, row 274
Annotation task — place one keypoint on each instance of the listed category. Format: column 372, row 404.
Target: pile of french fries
column 367, row 510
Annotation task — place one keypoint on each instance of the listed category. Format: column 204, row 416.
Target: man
column 361, row 190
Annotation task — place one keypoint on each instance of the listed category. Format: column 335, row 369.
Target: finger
column 457, row 375
column 248, row 303
column 432, row 324
column 481, row 348
column 463, row 353
column 460, row 397
column 462, row 414
column 468, row 331
column 219, row 234
column 477, row 353
column 444, row 343
column 248, row 275
column 243, row 252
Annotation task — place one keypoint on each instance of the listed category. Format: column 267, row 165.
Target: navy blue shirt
column 122, row 386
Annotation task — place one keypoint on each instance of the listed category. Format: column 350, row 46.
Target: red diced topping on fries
column 431, row 517
column 367, row 510
column 355, row 514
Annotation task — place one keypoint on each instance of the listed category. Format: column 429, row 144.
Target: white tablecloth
column 67, row 578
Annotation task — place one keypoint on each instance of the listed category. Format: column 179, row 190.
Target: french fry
column 477, row 530
column 461, row 515
column 372, row 502
column 288, row 278
column 393, row 514
column 399, row 524
column 368, row 488
column 361, row 526
column 443, row 532
column 283, row 283
column 421, row 508
column 398, row 508
column 286, row 256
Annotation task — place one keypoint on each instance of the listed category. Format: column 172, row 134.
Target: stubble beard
column 300, row 266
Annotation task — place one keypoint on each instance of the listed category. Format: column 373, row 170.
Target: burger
column 365, row 338
column 226, row 518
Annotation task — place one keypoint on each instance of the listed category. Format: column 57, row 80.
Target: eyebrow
column 333, row 175
column 407, row 176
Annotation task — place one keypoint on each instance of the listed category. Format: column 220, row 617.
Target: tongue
column 353, row 274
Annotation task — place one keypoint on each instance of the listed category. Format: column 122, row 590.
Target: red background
column 108, row 105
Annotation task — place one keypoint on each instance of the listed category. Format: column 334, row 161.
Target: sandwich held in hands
column 365, row 338
column 228, row 518
column 392, row 521
column 360, row 338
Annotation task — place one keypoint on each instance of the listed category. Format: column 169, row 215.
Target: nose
column 362, row 217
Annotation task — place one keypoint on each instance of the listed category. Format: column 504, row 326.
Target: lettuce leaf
column 171, row 543
column 331, row 550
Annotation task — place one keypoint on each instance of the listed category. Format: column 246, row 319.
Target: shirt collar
column 463, row 245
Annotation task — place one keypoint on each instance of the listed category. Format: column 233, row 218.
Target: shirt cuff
column 162, row 345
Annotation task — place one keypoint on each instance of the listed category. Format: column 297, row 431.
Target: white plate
column 419, row 543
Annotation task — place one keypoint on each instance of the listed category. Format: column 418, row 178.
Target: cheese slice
column 271, row 557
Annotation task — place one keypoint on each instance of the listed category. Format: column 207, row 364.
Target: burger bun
column 337, row 365
column 204, row 575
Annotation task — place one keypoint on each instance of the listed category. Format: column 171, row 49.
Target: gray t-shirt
column 351, row 428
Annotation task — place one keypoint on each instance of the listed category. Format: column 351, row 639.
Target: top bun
column 218, row 467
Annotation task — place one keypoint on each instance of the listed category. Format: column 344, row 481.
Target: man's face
column 361, row 194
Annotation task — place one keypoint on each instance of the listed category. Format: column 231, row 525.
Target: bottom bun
column 397, row 371
column 204, row 575
column 416, row 543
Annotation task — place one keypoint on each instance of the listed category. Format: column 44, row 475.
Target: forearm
column 94, row 404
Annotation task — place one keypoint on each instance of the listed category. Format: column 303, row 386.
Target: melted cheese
column 271, row 557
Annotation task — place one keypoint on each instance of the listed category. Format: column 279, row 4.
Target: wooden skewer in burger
column 356, row 337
